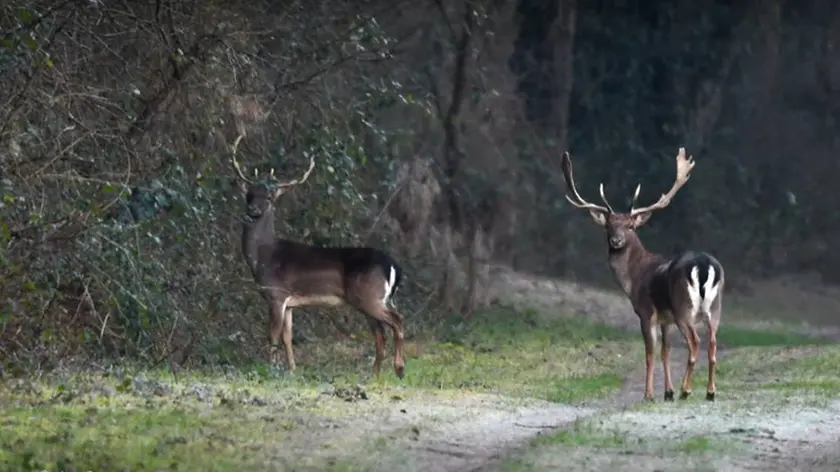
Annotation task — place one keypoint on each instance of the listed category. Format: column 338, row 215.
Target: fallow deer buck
column 290, row 274
column 682, row 290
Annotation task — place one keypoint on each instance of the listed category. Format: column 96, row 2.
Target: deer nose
column 616, row 241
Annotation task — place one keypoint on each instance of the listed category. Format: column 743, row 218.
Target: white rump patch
column 389, row 285
column 710, row 288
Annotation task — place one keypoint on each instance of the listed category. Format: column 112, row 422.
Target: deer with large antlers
column 684, row 290
column 290, row 274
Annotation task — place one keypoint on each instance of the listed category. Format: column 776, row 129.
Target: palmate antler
column 282, row 187
column 684, row 166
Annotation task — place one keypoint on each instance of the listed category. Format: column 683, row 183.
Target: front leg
column 275, row 330
column 649, row 335
column 287, row 339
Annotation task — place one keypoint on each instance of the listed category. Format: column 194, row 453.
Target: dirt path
column 487, row 431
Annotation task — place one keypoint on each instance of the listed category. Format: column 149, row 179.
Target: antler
column 236, row 165
column 579, row 202
column 684, row 166
column 284, row 187
column 300, row 180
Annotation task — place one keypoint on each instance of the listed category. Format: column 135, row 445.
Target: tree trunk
column 562, row 36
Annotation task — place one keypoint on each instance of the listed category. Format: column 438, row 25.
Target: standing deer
column 682, row 290
column 290, row 274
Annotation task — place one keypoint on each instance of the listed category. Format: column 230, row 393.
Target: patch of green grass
column 500, row 350
column 817, row 373
column 77, row 437
column 526, row 354
column 825, row 385
column 575, row 389
column 735, row 336
column 788, row 370
column 583, row 433
column 89, row 421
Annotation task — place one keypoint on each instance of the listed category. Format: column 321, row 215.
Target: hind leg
column 378, row 311
column 399, row 342
column 378, row 329
column 693, row 340
column 712, row 324
column 666, row 363
column 275, row 329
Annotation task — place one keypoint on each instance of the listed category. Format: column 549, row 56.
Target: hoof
column 669, row 395
column 710, row 396
column 648, row 399
column 684, row 395
column 400, row 372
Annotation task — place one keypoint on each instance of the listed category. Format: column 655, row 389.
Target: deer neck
column 630, row 263
column 258, row 240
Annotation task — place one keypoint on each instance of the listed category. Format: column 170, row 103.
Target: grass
column 517, row 353
column 590, row 434
column 732, row 336
column 64, row 437
column 526, row 354
column 589, row 439
column 583, row 433
column 254, row 417
column 812, row 370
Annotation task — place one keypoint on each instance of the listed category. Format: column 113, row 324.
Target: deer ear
column 599, row 217
column 641, row 219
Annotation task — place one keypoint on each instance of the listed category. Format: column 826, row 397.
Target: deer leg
column 693, row 340
column 666, row 366
column 367, row 297
column 275, row 329
column 711, row 350
column 287, row 339
column 378, row 329
column 394, row 320
column 649, row 334
column 399, row 343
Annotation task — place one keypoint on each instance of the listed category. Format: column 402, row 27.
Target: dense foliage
column 119, row 224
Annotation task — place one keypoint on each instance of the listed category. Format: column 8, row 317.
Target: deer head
column 259, row 196
column 620, row 227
